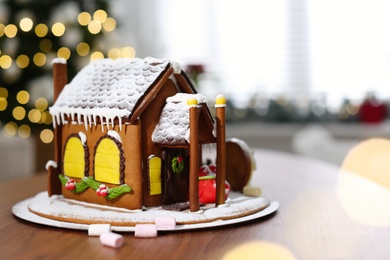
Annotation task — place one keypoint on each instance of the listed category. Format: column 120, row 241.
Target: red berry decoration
column 70, row 185
column 102, row 190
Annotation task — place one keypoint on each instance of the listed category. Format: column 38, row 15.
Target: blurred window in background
column 338, row 48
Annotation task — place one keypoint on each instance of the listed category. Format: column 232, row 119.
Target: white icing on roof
column 173, row 126
column 59, row 60
column 106, row 89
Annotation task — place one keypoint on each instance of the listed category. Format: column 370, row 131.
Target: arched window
column 154, row 175
column 109, row 161
column 75, row 157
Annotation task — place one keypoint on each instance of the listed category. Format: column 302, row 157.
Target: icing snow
column 83, row 138
column 51, row 163
column 106, row 90
column 183, row 97
column 59, row 60
column 114, row 135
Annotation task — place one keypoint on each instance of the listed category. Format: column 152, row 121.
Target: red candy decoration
column 70, row 185
column 207, row 188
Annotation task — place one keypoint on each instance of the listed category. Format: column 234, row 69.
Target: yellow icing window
column 155, row 175
column 74, row 158
column 107, row 162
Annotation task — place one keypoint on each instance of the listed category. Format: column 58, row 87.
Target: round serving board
column 47, row 208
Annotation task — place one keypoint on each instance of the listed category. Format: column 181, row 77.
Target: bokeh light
column 34, row 115
column 5, row 61
column 22, row 61
column 47, row 136
column 259, row 250
column 10, row 129
column 109, row 25
column 26, row 24
column 94, row 27
column 3, row 92
column 84, row 18
column 24, row 131
column 41, row 30
column 19, row 113
column 100, row 16
column 58, row 29
column 2, row 27
column 23, row 97
column 41, row 104
column 82, row 49
column 39, row 59
column 10, row 30
column 97, row 55
column 64, row 53
column 45, row 45
column 3, row 104
column 128, row 52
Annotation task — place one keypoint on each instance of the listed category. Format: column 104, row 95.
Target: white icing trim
column 183, row 97
column 220, row 105
column 115, row 135
column 51, row 163
column 176, row 67
column 154, row 61
column 83, row 138
column 59, row 60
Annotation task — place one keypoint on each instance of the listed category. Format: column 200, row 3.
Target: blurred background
column 304, row 76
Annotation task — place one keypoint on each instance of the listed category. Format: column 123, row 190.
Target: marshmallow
column 98, row 229
column 145, row 230
column 252, row 191
column 111, row 239
column 165, row 223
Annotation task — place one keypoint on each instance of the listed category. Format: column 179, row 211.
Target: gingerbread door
column 175, row 175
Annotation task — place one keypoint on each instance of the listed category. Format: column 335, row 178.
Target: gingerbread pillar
column 194, row 154
column 60, row 78
column 220, row 105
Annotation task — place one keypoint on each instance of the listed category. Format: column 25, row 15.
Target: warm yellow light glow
column 41, row 104
column 34, row 115
column 114, row 54
column 10, row 30
column 10, row 129
column 100, row 16
column 363, row 186
column 5, row 61
column 22, row 61
column 3, row 104
column 82, row 49
column 128, row 52
column 45, row 45
column 109, row 25
column 46, row 136
column 2, row 27
column 58, row 29
column 97, row 55
column 64, row 53
column 19, row 113
column 26, row 24
column 3, row 92
column 23, row 97
column 41, row 30
column 84, row 18
column 24, row 131
column 39, row 59
column 46, row 118
column 94, row 27
column 259, row 250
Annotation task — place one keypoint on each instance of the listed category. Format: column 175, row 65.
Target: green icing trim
column 89, row 182
column 178, row 164
column 207, row 177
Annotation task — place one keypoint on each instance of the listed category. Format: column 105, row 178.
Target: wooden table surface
column 314, row 221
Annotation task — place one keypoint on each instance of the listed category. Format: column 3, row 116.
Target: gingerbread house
column 128, row 133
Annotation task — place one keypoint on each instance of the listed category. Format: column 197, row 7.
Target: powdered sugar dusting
column 57, row 206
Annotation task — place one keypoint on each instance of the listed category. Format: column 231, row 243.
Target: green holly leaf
column 117, row 191
column 91, row 182
column 63, row 179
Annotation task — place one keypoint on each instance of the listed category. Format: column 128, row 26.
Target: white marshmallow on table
column 98, row 229
column 145, row 230
column 111, row 239
column 165, row 223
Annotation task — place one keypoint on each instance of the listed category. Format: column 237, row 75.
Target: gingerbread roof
column 108, row 89
column 174, row 123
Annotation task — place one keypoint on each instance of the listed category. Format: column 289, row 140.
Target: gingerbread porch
column 128, row 133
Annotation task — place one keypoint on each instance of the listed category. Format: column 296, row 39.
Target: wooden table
column 312, row 222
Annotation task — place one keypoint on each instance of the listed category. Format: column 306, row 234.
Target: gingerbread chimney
column 60, row 79
column 220, row 105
